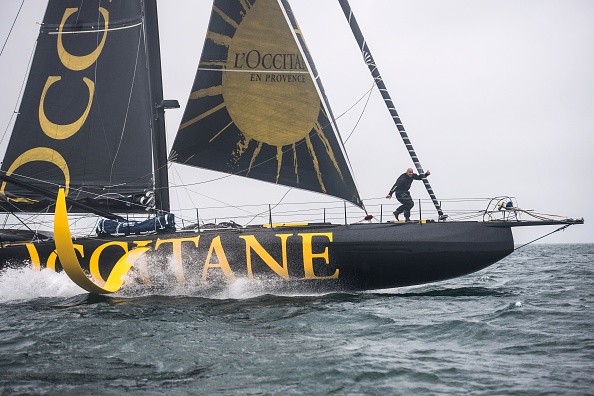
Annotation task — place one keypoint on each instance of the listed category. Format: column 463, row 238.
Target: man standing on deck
column 401, row 188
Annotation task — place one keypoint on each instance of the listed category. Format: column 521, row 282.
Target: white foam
column 27, row 284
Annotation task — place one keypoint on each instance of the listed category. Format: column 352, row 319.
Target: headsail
column 257, row 108
column 85, row 117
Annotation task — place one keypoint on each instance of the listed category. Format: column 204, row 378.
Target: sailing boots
column 396, row 214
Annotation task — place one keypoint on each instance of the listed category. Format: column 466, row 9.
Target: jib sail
column 257, row 108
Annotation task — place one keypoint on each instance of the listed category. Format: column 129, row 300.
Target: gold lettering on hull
column 309, row 255
column 94, row 263
column 217, row 248
column 251, row 243
column 141, row 265
column 51, row 260
column 34, row 255
column 177, row 264
column 314, row 246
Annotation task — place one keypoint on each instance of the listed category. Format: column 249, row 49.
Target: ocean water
column 524, row 326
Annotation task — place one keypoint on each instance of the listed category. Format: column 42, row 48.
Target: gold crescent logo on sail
column 57, row 131
column 74, row 62
column 40, row 154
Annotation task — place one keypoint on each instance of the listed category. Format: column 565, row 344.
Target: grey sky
column 497, row 96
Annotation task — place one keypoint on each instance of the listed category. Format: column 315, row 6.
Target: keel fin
column 69, row 260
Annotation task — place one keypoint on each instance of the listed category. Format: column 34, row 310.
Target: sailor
column 401, row 188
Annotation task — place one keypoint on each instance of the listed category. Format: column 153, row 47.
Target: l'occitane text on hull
column 288, row 256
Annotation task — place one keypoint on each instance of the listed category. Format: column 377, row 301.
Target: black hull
column 311, row 258
column 412, row 254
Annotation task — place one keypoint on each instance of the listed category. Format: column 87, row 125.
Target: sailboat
column 90, row 138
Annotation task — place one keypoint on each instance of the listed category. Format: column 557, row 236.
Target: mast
column 151, row 26
column 346, row 8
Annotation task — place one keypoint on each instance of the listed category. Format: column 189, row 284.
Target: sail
column 85, row 116
column 257, row 108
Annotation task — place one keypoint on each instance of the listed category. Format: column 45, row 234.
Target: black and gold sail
column 85, row 116
column 256, row 109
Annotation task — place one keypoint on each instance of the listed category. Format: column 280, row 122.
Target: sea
column 524, row 326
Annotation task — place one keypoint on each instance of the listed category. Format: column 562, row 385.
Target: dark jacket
column 404, row 181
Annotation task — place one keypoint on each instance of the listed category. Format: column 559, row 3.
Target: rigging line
column 357, row 102
column 311, row 135
column 539, row 215
column 282, row 198
column 12, row 27
column 362, row 112
column 338, row 202
column 552, row 232
column 95, row 195
column 181, row 214
column 261, row 213
column 184, row 186
column 197, row 183
column 204, row 182
column 454, row 200
column 128, row 106
column 177, row 192
column 17, row 217
column 15, row 111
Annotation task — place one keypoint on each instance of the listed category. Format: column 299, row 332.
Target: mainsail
column 257, row 108
column 86, row 116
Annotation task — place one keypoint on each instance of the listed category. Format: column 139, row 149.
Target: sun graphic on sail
column 256, row 105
